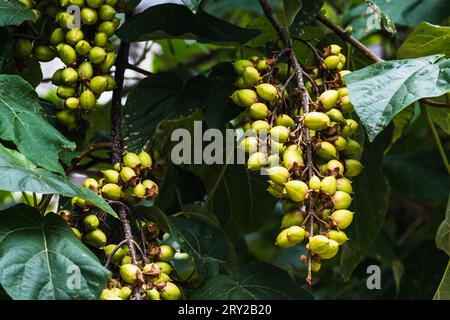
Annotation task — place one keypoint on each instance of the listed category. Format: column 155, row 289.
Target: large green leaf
column 370, row 204
column 443, row 233
column 256, row 281
column 22, row 122
column 443, row 291
column 205, row 243
column 424, row 40
column 382, row 90
column 19, row 174
column 13, row 13
column 41, row 258
column 304, row 16
column 171, row 21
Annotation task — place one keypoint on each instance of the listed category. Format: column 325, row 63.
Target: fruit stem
column 137, row 69
column 436, row 137
column 108, row 260
column 88, row 152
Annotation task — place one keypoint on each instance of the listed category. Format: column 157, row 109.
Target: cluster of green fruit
column 86, row 50
column 126, row 182
column 315, row 194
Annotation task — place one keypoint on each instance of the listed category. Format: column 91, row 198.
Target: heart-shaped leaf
column 13, row 13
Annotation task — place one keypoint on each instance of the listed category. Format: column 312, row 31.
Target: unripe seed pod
column 107, row 27
column 345, row 185
column 170, row 292
column 145, row 159
column 87, row 100
column 79, row 3
column 91, row 184
column 97, row 55
column 151, row 188
column 329, row 98
column 127, row 174
column 256, row 161
column 279, row 134
column 259, row 126
column 85, row 71
column 333, row 248
column 342, row 92
column 111, row 82
column 316, row 121
column 126, row 260
column 24, row 47
column 258, row 111
column 251, row 76
column 125, row 293
column 344, row 73
column 83, row 47
column 293, row 217
column 314, row 183
column 285, row 121
column 56, row 78
column 249, row 144
column 292, row 158
column 295, row 234
column 340, row 143
column 341, row 200
column 73, row 36
column 352, row 167
column 353, row 148
column 106, row 12
column 95, row 3
column 240, row 65
column 315, row 266
column 295, row 190
column 164, row 267
column 98, row 84
column 346, row 105
column 67, row 54
column 130, row 273
column 111, row 191
column 278, row 174
column 287, row 205
column 78, row 202
column 336, row 115
column 65, row 92
column 318, row 244
column 89, row 16
column 283, row 70
column 69, row 76
column 96, row 238
column 335, row 166
column 244, row 97
column 152, row 294
column 331, row 62
column 118, row 256
column 342, row 218
column 262, row 65
column 334, row 49
column 27, row 3
column 339, row 236
column 267, row 92
column 65, row 19
column 110, row 294
column 91, row 222
column 139, row 191
column 325, row 150
column 77, row 233
column 350, row 128
column 111, row 176
column 328, row 185
column 52, row 11
column 116, row 22
column 44, row 53
column 101, row 39
column 276, row 147
column 166, row 253
column 273, row 160
column 108, row 63
column 282, row 241
column 131, row 160
column 66, row 118
column 240, row 83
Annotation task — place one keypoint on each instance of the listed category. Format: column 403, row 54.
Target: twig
column 137, row 69
column 435, row 103
column 87, row 152
column 108, row 260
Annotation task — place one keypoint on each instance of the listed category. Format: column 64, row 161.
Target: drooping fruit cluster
column 308, row 157
column 126, row 181
column 86, row 50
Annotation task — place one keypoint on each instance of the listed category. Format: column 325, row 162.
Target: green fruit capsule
column 67, row 54
column 101, row 39
column 118, row 255
column 334, row 49
column 131, row 160
column 85, row 71
column 69, row 76
column 251, row 76
column 333, row 248
column 335, row 166
column 24, row 47
column 337, row 235
column 329, row 98
column 127, row 174
column 343, row 92
column 244, row 97
column 240, row 83
column 278, row 174
column 106, row 12
column 111, row 82
column 345, row 185
column 249, row 144
column 349, row 129
column 139, row 191
column 95, row 3
column 341, row 200
column 125, row 293
column 164, row 267
column 65, row 92
column 56, row 78
column 111, row 2
column 353, row 148
column 287, row 205
column 240, row 65
column 295, row 190
column 91, row 184
column 344, row 73
column 267, row 92
column 260, row 126
column 258, row 111
column 256, row 161
column 73, row 36
column 346, row 105
column 98, row 84
column 352, row 167
column 293, row 217
column 342, row 218
column 125, row 260
column 314, row 183
column 27, row 3
column 91, row 222
column 285, row 121
column 83, row 47
column 57, row 36
column 130, row 273
column 166, row 253
column 111, row 176
column 77, row 233
column 263, row 65
column 331, row 62
column 109, row 294
column 295, row 234
column 109, row 62
column 87, row 100
column 282, row 240
column 111, row 191
column 145, row 159
column 65, row 19
column 328, row 185
column 153, row 294
column 276, row 147
column 44, row 53
column 96, row 238
column 292, row 158
column 79, row 3
column 279, row 134
column 170, row 292
column 340, row 143
column 315, row 266
column 275, row 190
column 151, row 188
column 273, row 160
column 316, row 121
column 336, row 115
column 97, row 55
column 325, row 150
column 107, row 27
column 89, row 16
column 318, row 244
